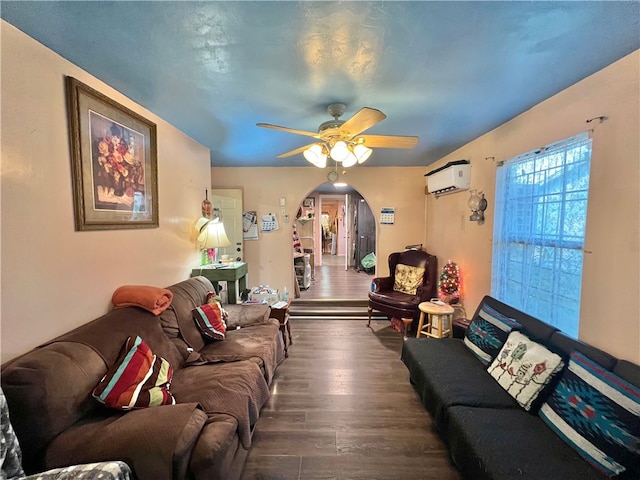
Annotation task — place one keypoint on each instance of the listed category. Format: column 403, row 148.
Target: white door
column 347, row 231
column 229, row 202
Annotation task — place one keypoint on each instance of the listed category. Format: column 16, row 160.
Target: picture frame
column 113, row 162
column 308, row 202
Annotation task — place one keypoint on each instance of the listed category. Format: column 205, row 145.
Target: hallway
column 332, row 281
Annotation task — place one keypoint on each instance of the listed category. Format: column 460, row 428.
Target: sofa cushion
column 157, row 443
column 628, row 371
column 523, row 368
column 563, row 345
column 246, row 315
column 216, row 453
column 139, row 379
column 208, row 318
column 487, row 333
column 536, row 329
column 598, row 414
column 507, row 444
column 407, row 278
column 42, row 405
column 261, row 341
column 445, row 373
column 177, row 320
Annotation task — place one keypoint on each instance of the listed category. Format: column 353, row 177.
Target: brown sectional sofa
column 219, row 388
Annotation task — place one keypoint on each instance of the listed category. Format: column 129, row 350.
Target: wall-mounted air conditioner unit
column 453, row 177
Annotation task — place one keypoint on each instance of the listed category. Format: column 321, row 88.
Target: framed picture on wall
column 113, row 162
column 308, row 202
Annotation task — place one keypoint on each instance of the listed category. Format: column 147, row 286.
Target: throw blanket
column 237, row 389
column 154, row 299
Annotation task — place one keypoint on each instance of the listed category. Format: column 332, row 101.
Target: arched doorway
column 336, row 229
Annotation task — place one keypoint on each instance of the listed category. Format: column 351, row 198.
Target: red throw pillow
column 208, row 318
column 138, row 379
column 212, row 297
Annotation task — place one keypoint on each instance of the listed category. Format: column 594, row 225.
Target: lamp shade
column 202, row 221
column 216, row 236
column 340, row 152
column 212, row 234
column 315, row 155
column 350, row 161
column 474, row 201
column 362, row 153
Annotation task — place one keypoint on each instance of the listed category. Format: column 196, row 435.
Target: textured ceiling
column 444, row 71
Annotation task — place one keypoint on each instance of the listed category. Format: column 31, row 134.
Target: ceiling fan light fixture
column 316, row 155
column 340, row 152
column 341, row 139
column 361, row 152
column 350, row 161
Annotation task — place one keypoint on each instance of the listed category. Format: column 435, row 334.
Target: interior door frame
column 221, row 198
column 348, row 231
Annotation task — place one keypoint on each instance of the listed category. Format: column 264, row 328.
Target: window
column 538, row 238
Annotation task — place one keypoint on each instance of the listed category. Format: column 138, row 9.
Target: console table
column 235, row 274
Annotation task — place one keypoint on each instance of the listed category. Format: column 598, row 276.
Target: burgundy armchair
column 395, row 302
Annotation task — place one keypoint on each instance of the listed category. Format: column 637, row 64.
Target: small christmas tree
column 449, row 283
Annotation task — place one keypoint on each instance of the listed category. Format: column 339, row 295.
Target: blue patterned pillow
column 488, row 332
column 598, row 414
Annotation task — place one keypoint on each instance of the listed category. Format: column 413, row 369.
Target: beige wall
column 611, row 288
column 54, row 278
column 270, row 260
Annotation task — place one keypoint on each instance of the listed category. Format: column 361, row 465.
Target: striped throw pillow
column 488, row 332
column 208, row 318
column 598, row 414
column 213, row 298
column 138, row 379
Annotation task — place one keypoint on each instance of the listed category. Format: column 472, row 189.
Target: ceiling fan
column 342, row 139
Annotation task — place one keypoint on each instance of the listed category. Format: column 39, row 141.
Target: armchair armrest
column 383, row 283
column 423, row 294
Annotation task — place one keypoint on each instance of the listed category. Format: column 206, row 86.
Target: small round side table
column 437, row 315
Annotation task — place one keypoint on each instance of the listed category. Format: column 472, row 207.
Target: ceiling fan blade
column 362, row 120
column 287, row 129
column 293, row 152
column 387, row 141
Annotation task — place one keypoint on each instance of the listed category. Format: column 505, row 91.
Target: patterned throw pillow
column 598, row 414
column 208, row 318
column 138, row 379
column 407, row 278
column 212, row 297
column 523, row 368
column 488, row 332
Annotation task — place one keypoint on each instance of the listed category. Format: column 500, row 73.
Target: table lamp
column 211, row 236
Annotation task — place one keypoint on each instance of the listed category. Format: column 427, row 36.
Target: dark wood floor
column 342, row 407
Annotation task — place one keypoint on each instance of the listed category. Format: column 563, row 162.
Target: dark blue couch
column 489, row 435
